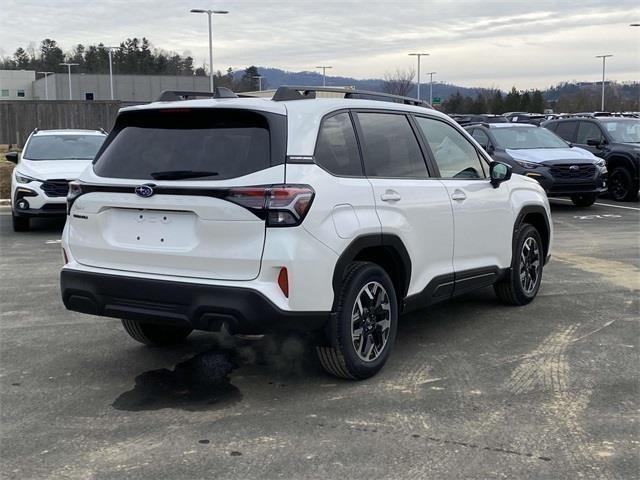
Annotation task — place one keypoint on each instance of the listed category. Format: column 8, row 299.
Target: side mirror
column 12, row 157
column 499, row 172
column 490, row 149
column 592, row 142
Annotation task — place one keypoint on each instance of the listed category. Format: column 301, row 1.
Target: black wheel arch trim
column 526, row 210
column 363, row 242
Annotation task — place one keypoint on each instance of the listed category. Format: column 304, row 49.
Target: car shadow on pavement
column 203, row 383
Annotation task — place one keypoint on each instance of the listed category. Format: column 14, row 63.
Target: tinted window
column 390, row 147
column 566, row 130
column 588, row 131
column 337, row 149
column 63, row 147
column 481, row 137
column 153, row 144
column 455, row 155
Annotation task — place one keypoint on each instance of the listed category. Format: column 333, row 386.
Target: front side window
column 588, row 131
column 481, row 137
column 566, row 130
column 455, row 156
column 391, row 149
column 337, row 148
column 63, row 147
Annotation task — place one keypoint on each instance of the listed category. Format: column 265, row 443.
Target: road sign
column 436, row 101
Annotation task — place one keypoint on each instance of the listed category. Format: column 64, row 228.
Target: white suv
column 49, row 161
column 325, row 215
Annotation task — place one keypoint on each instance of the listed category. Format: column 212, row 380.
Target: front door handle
column 390, row 196
column 458, row 195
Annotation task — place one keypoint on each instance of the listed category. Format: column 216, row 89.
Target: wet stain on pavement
column 200, row 383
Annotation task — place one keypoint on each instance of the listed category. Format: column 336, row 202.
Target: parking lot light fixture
column 109, row 51
column 324, row 73
column 209, row 13
column 419, row 55
column 46, row 86
column 69, row 65
column 431, row 74
column 604, row 59
column 259, row 77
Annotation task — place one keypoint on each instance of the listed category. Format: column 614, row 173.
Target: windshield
column 625, row 131
column 63, row 147
column 186, row 144
column 527, row 137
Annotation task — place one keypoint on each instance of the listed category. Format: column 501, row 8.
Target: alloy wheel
column 530, row 265
column 371, row 321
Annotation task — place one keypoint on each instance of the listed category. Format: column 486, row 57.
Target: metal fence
column 19, row 118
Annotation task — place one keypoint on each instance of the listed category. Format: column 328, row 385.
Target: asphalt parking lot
column 473, row 390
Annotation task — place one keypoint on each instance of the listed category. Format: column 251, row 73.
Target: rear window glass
column 185, row 144
column 63, row 147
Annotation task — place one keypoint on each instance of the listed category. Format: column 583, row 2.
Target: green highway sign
column 436, row 101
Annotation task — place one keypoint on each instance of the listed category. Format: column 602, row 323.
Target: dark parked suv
column 615, row 139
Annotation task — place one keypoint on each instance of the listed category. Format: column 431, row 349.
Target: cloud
column 485, row 42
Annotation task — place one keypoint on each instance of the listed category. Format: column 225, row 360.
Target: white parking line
column 602, row 204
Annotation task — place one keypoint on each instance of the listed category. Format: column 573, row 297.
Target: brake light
column 283, row 281
column 279, row 205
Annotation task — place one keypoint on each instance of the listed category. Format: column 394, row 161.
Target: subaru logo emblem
column 574, row 168
column 144, row 191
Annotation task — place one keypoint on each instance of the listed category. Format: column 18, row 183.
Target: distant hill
column 274, row 77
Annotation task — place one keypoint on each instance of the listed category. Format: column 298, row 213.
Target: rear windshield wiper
column 180, row 174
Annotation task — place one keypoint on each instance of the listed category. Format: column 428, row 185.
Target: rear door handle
column 458, row 195
column 390, row 196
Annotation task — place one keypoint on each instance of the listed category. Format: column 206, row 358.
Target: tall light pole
column 259, row 77
column 69, row 65
column 419, row 55
column 46, row 84
column 324, row 73
column 209, row 13
column 604, row 59
column 431, row 74
column 109, row 51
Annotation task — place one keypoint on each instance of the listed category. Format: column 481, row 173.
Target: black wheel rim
column 617, row 186
column 371, row 321
column 530, row 265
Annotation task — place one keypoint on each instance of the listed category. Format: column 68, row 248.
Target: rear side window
column 337, row 148
column 191, row 144
column 390, row 147
column 566, row 130
column 455, row 155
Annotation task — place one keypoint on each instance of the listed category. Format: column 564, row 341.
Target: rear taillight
column 279, row 205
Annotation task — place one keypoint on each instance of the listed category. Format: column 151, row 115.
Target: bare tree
column 399, row 83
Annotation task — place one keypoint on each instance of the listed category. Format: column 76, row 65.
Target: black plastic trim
column 203, row 307
column 527, row 209
column 373, row 240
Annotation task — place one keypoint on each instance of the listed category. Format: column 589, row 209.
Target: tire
column 359, row 357
column 515, row 290
column 151, row 334
column 621, row 185
column 584, row 199
column 20, row 224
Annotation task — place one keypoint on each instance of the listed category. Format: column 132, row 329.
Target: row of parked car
column 576, row 155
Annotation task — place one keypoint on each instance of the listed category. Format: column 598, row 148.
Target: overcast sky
column 532, row 43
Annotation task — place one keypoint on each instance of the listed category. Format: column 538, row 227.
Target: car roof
column 318, row 106
column 68, row 131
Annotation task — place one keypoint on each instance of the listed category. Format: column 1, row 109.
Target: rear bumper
column 203, row 307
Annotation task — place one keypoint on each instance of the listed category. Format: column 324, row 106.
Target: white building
column 17, row 84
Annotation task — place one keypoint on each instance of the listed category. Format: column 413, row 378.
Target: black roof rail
column 289, row 92
column 175, row 95
column 484, row 124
